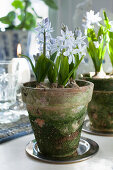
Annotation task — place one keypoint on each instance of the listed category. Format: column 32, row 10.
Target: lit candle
column 20, row 67
column 19, row 50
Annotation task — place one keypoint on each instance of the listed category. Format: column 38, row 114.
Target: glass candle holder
column 8, row 89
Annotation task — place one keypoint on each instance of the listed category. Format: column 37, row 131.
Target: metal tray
column 87, row 148
column 87, row 128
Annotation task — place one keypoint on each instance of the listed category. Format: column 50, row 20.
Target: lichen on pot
column 57, row 115
column 100, row 109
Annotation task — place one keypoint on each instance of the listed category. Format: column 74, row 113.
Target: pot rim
column 95, row 78
column 87, row 85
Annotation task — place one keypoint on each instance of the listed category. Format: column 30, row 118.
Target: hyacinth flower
column 72, row 49
column 58, row 58
column 97, row 40
column 42, row 59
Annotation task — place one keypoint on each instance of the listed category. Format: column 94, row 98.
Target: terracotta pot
column 57, row 116
column 100, row 109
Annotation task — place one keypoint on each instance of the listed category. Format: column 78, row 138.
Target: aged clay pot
column 57, row 116
column 100, row 109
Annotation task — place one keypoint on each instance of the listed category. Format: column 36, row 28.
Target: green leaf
column 100, row 32
column 97, row 54
column 105, row 15
column 76, row 59
column 91, row 35
column 30, row 20
column 58, row 61
column 72, row 65
column 18, row 4
column 110, row 35
column 102, row 49
column 20, row 17
column 94, row 54
column 110, row 50
column 11, row 15
column 53, row 56
column 27, row 22
column 50, row 3
column 106, row 20
column 5, row 20
column 9, row 19
column 42, row 66
column 30, row 61
column 52, row 74
column 103, row 52
column 64, row 70
column 70, row 73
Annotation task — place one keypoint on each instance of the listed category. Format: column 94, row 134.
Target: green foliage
column 106, row 20
column 53, row 70
column 52, row 74
column 27, row 19
column 18, row 4
column 110, row 48
column 72, row 65
column 91, row 35
column 9, row 19
column 100, row 32
column 64, row 70
column 28, row 23
column 110, row 37
column 73, row 70
column 25, row 13
column 97, row 53
column 41, row 67
column 60, row 71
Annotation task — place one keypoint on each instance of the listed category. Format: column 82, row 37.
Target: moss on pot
column 100, row 109
column 57, row 116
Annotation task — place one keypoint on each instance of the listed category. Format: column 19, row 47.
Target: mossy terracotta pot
column 57, row 116
column 100, row 109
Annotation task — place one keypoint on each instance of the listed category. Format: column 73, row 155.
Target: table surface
column 14, row 157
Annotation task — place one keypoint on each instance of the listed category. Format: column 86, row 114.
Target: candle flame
column 19, row 50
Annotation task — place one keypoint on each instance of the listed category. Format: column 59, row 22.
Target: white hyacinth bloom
column 67, row 38
column 71, row 44
column 70, row 54
column 91, row 19
column 83, row 50
column 79, row 39
column 44, row 27
column 57, row 45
